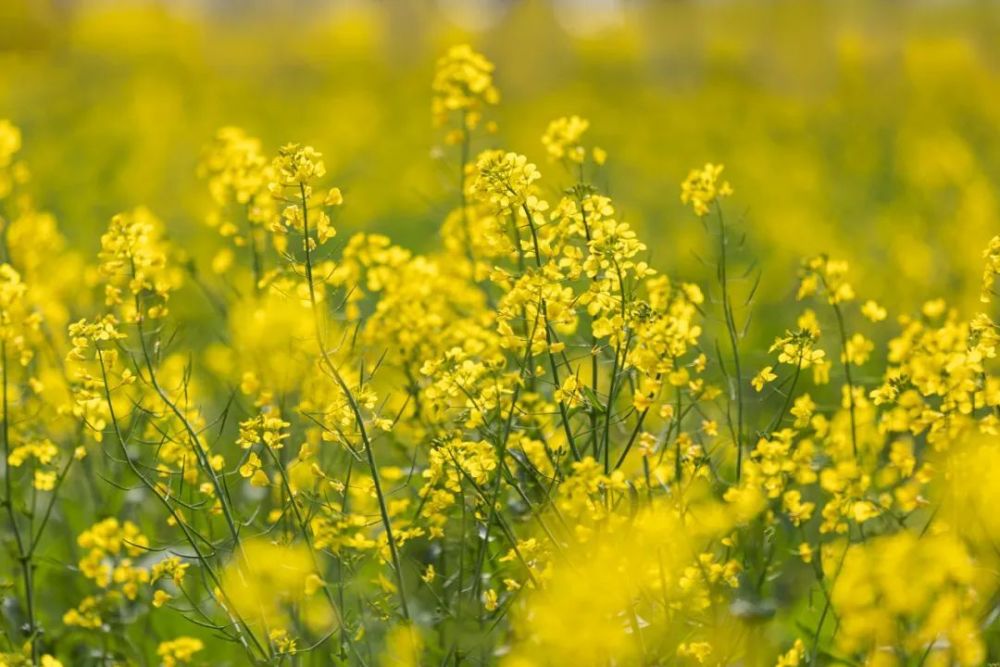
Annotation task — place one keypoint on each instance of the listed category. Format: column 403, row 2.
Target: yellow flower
column 908, row 591
column 700, row 651
column 272, row 580
column 857, row 349
column 562, row 138
column 252, row 465
column 702, row 188
column 802, row 409
column 873, row 311
column 10, row 142
column 295, row 166
column 505, row 180
column 44, row 481
column 991, row 268
column 179, row 651
column 463, row 83
column 765, row 376
column 794, row 656
column 864, row 510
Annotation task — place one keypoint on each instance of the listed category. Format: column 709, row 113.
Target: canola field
column 499, row 333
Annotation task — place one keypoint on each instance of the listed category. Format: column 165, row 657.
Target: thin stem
column 850, row 380
column 355, row 408
column 200, row 454
column 24, row 556
column 255, row 254
column 501, row 454
column 727, row 309
column 466, row 226
column 612, row 395
column 241, row 625
column 302, row 524
column 814, row 654
column 788, row 397
column 549, row 334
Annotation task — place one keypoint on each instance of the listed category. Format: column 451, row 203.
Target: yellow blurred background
column 865, row 130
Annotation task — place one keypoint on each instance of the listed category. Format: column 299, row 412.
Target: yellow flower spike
column 505, row 180
column 272, row 580
column 702, row 188
column 531, row 406
column 562, row 139
column 463, row 84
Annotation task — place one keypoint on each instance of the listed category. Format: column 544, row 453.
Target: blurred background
column 870, row 131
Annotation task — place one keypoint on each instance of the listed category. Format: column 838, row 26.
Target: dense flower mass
column 463, row 83
column 529, row 445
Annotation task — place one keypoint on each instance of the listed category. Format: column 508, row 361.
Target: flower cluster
column 133, row 260
column 463, row 83
column 505, row 180
column 110, row 549
column 703, row 187
column 524, row 445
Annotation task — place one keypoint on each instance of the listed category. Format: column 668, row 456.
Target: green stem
column 355, row 409
column 24, row 556
column 850, row 380
column 727, row 309
column 239, row 623
column 549, row 334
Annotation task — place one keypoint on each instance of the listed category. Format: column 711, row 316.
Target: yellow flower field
column 531, row 333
